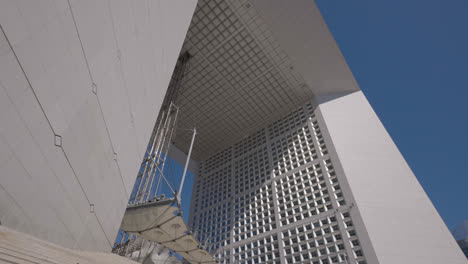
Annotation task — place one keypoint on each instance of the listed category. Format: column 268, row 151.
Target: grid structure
column 239, row 78
column 322, row 241
column 214, row 188
column 262, row 250
column 254, row 214
column 275, row 197
column 292, row 150
column 252, row 170
column 251, row 142
column 302, row 195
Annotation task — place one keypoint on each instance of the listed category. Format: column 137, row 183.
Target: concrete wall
column 402, row 224
column 301, row 31
column 81, row 83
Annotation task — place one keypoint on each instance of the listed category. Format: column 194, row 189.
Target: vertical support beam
column 369, row 157
column 186, row 165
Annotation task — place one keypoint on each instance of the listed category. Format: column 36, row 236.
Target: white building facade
column 295, row 164
column 81, row 86
column 309, row 177
column 289, row 194
column 278, row 197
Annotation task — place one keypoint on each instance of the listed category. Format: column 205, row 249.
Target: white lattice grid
column 214, row 222
column 262, row 250
column 309, row 107
column 212, row 189
column 334, row 184
column 319, row 242
column 292, row 120
column 358, row 255
column 252, row 170
column 258, row 29
column 223, row 256
column 318, row 136
column 302, row 195
column 253, row 214
column 253, row 141
column 239, row 78
column 292, row 150
column 216, row 161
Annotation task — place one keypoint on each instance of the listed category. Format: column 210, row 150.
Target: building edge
column 400, row 221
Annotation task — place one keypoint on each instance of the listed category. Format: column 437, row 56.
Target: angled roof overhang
column 253, row 62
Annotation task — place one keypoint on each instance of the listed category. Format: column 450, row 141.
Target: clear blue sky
column 411, row 60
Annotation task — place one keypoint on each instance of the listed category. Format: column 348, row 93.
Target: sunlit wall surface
column 81, row 87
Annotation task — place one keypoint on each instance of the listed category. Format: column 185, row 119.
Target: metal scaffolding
column 151, row 178
column 150, row 214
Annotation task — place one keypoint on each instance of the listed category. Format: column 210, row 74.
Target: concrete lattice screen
column 286, row 202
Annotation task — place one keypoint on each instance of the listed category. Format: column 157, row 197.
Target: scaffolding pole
column 186, row 165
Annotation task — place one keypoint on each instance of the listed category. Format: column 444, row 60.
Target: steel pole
column 186, row 165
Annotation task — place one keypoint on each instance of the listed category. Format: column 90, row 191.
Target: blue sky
column 411, row 60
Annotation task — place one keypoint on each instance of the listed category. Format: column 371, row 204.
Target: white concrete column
column 402, row 224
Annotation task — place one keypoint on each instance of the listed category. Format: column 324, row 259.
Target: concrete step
column 17, row 247
column 10, row 259
column 21, row 257
column 32, row 249
column 17, row 251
